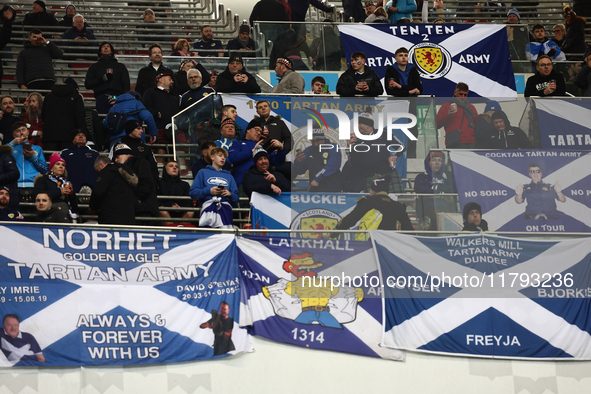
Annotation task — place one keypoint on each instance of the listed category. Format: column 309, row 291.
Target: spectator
column 216, row 188
column 34, row 66
column 473, row 220
column 299, row 9
column 205, row 159
column 242, row 43
column 55, row 183
column 145, row 192
column 574, row 40
column 227, row 135
column 376, row 212
column 458, row 118
column 506, row 136
column 7, row 17
column 235, row 78
column 214, row 78
column 270, row 11
column 261, row 179
column 211, row 132
column 163, row 105
column 181, row 48
column 150, row 31
column 370, row 8
column 32, row 117
column 545, row 82
column 196, row 89
column 382, row 16
column 182, row 85
column 29, row 157
column 542, row 46
column 113, row 195
column 290, row 45
column 573, row 70
column 327, row 50
column 241, row 152
column 403, row 79
column 62, row 114
column 47, row 213
column 129, row 104
column 319, row 86
column 559, row 31
column 7, row 118
column 39, row 16
column 207, row 44
column 289, row 80
column 484, row 125
column 68, row 18
column 274, row 128
column 9, row 174
column 133, row 139
column 107, row 77
column 7, row 213
column 359, row 79
column 146, row 77
column 172, row 185
column 583, row 78
column 323, row 166
column 365, row 165
column 518, row 37
column 435, row 180
column 80, row 34
column 353, row 10
column 80, row 160
column 400, row 9
column 513, row 16
column 439, row 11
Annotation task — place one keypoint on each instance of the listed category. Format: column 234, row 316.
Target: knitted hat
column 54, row 158
column 105, row 43
column 366, row 118
column 469, row 208
column 80, row 131
column 122, row 149
column 5, row 188
column 164, row 74
column 514, row 12
column 235, row 57
column 435, row 154
column 492, row 105
column 71, row 81
column 227, row 121
column 41, row 4
column 135, row 94
column 256, row 122
column 187, row 61
column 286, row 62
column 214, row 73
column 568, row 11
column 258, row 153
column 131, row 125
column 244, row 28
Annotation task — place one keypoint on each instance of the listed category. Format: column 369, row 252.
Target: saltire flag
column 444, row 54
column 486, row 296
column 554, row 185
column 564, row 124
column 97, row 297
column 286, row 296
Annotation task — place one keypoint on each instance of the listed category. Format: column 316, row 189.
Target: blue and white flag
column 486, row 296
column 527, row 190
column 296, row 291
column 444, row 54
column 96, row 297
column 564, row 124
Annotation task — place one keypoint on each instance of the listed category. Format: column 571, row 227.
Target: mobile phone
column 27, row 146
column 325, row 88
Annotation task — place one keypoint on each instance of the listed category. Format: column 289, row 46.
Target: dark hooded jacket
column 113, row 195
column 62, row 113
column 348, row 81
column 5, row 34
column 117, row 83
column 471, row 226
column 51, row 185
column 227, row 84
column 409, row 79
column 9, row 174
column 146, row 200
column 254, row 181
column 41, row 19
column 53, row 215
column 146, row 78
column 509, row 138
column 440, row 182
column 174, row 186
column 145, row 152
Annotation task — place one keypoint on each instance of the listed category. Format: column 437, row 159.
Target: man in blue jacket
column 129, row 103
column 29, row 158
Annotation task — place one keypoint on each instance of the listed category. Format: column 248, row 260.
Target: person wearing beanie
column 68, row 18
column 261, row 178
column 372, row 160
column 34, row 65
column 211, row 131
column 473, row 220
column 62, row 113
column 289, row 80
column 107, row 77
column 505, row 136
column 79, row 160
column 583, row 78
column 242, row 43
column 39, row 16
column 145, row 192
column 513, row 16
column 7, row 213
column 133, row 139
column 435, row 180
column 55, row 183
column 376, row 212
column 235, row 79
column 574, row 39
column 484, row 127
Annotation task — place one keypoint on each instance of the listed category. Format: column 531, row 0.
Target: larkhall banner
column 527, row 190
column 444, row 54
column 94, row 297
column 486, row 296
column 318, row 294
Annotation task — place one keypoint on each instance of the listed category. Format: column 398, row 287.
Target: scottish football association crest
column 432, row 61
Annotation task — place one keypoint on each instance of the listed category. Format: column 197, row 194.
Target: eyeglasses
column 535, row 171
